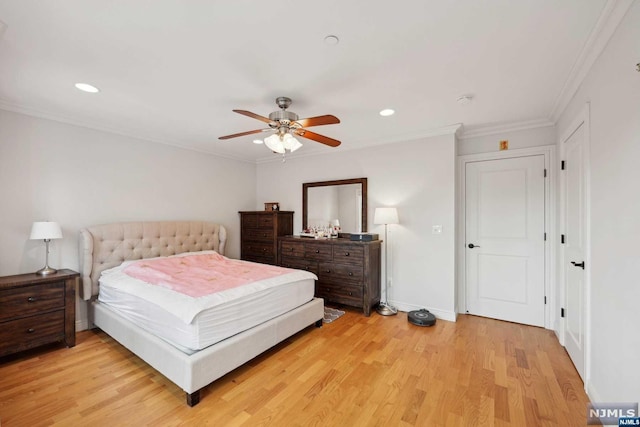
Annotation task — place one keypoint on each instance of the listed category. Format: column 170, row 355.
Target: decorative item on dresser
column 37, row 310
column 259, row 231
column 348, row 272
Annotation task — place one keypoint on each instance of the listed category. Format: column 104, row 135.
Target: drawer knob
column 317, row 251
column 327, row 271
column 31, row 330
column 264, row 235
column 350, row 274
column 291, row 249
column 306, row 268
column 350, row 294
column 32, row 299
column 346, row 254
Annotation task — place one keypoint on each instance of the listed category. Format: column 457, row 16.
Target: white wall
column 526, row 138
column 80, row 177
column 613, row 89
column 419, row 178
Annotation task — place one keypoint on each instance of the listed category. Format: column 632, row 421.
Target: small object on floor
column 331, row 314
column 421, row 317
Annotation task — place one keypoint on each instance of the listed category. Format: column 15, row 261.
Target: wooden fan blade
column 252, row 115
column 317, row 137
column 235, row 135
column 319, row 120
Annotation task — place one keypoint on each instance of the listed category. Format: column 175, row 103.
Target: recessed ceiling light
column 258, row 141
column 85, row 87
column 331, row 40
column 387, row 112
column 465, row 99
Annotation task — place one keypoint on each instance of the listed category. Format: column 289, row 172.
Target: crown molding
column 612, row 14
column 505, row 127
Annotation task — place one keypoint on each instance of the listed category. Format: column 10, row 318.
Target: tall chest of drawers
column 348, row 272
column 37, row 310
column 259, row 231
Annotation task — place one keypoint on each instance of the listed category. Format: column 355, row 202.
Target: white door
column 575, row 242
column 504, row 233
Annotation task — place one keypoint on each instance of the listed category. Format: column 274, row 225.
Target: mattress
column 251, row 305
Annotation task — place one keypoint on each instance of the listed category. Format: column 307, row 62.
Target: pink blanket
column 200, row 275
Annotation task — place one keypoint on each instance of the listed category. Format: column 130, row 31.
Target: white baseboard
column 451, row 316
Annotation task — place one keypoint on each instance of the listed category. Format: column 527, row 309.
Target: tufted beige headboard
column 106, row 246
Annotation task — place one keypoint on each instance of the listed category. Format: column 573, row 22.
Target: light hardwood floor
column 357, row 371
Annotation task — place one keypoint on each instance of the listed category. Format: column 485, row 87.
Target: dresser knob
column 350, row 274
column 327, row 271
column 350, row 294
column 31, row 330
column 307, row 268
column 346, row 254
column 317, row 251
column 264, row 235
column 291, row 249
column 32, row 299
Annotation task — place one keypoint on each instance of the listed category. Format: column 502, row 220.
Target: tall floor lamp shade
column 46, row 231
column 386, row 216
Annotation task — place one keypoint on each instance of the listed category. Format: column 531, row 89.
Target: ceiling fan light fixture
column 274, row 144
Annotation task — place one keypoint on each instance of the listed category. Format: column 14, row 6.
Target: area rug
column 331, row 314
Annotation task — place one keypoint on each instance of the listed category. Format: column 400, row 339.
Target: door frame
column 549, row 153
column 581, row 119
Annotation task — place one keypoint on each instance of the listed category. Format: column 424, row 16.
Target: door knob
column 578, row 264
column 471, row 246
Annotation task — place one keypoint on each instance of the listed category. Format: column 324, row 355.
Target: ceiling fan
column 286, row 125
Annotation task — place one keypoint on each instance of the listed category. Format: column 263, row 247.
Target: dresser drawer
column 299, row 264
column 28, row 332
column 340, row 273
column 259, row 234
column 26, row 300
column 292, row 249
column 257, row 249
column 257, row 221
column 318, row 251
column 344, row 294
column 349, row 254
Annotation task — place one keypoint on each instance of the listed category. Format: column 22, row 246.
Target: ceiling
column 172, row 71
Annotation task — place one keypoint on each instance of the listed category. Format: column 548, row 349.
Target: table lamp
column 46, row 230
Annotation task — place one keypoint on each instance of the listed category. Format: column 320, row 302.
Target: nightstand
column 37, row 310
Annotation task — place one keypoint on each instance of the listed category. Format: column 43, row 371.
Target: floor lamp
column 386, row 216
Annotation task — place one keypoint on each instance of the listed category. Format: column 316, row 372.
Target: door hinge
column 562, row 312
column 545, row 299
column 545, row 237
column 545, row 173
column 562, row 238
column 562, row 165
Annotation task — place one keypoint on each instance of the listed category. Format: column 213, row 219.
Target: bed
column 105, row 247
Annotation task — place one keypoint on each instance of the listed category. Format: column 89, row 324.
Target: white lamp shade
column 45, row 230
column 385, row 216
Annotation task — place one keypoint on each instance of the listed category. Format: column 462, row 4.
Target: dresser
column 348, row 272
column 37, row 310
column 259, row 232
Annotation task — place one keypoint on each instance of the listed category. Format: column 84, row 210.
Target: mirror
column 343, row 200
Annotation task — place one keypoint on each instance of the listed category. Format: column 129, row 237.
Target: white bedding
column 192, row 324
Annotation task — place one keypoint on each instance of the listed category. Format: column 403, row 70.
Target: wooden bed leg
column 319, row 323
column 193, row 398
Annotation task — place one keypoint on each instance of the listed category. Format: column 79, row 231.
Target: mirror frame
column 307, row 185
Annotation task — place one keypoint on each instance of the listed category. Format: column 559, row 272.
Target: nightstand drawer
column 28, row 332
column 26, row 300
